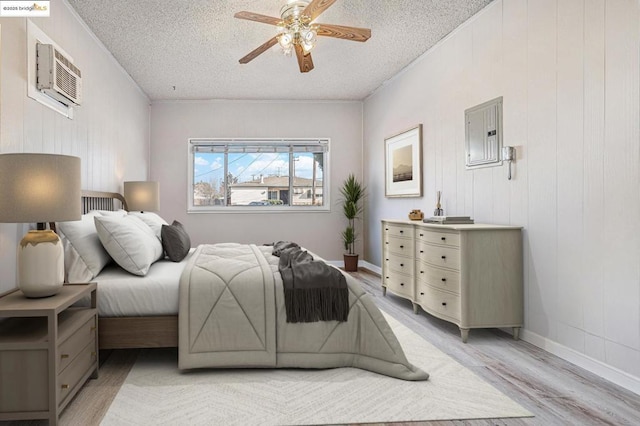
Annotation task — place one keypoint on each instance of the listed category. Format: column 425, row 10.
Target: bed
column 236, row 327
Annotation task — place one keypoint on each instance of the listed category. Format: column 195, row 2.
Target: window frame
column 326, row 182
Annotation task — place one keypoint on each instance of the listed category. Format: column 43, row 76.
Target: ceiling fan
column 298, row 31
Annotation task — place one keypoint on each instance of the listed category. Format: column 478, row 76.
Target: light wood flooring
column 555, row 391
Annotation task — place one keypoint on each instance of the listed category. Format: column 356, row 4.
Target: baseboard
column 370, row 267
column 592, row 365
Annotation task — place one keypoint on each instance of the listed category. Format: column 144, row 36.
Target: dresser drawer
column 396, row 230
column 447, row 257
column 80, row 365
column 403, row 265
column 451, row 239
column 438, row 302
column 70, row 348
column 399, row 284
column 437, row 277
column 398, row 246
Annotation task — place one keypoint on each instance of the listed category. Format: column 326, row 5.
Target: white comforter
column 232, row 314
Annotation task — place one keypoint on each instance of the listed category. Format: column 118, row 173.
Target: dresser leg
column 464, row 333
column 516, row 333
column 415, row 308
column 384, row 291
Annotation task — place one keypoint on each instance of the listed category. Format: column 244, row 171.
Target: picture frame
column 403, row 163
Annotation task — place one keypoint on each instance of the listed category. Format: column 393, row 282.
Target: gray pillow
column 175, row 241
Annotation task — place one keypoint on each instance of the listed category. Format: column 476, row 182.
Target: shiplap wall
column 569, row 74
column 110, row 131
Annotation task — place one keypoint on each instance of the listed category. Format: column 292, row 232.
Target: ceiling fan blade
column 263, row 48
column 304, row 61
column 250, row 16
column 346, row 33
column 316, row 7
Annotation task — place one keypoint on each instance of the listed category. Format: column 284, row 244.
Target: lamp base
column 40, row 264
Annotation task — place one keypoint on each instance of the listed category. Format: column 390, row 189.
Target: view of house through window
column 238, row 173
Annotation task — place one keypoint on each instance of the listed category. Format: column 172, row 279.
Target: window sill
column 258, row 210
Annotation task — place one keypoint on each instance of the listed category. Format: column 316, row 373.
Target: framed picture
column 403, row 164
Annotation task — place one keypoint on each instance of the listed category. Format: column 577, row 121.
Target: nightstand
column 48, row 350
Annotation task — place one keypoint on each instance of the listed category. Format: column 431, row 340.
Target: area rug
column 156, row 393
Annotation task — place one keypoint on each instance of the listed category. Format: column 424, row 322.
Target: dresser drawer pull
column 64, row 386
column 444, row 257
column 64, row 356
column 421, row 251
column 422, row 272
column 444, row 303
column 422, row 235
column 387, row 260
column 387, row 242
column 421, row 294
column 387, row 277
column 444, row 279
column 401, row 231
column 401, row 283
column 443, row 238
column 402, row 264
column 401, row 246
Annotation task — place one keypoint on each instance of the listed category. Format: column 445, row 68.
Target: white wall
column 172, row 123
column 569, row 74
column 110, row 131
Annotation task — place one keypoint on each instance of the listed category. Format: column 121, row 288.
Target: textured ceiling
column 195, row 45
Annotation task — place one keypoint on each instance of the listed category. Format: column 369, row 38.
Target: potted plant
column 352, row 194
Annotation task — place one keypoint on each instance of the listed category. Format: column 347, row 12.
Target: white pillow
column 84, row 255
column 130, row 242
column 118, row 213
column 154, row 221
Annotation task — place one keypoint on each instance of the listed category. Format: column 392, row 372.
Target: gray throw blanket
column 313, row 290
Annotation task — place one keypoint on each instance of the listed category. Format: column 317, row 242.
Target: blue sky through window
column 209, row 167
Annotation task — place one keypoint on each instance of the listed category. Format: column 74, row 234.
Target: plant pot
column 351, row 262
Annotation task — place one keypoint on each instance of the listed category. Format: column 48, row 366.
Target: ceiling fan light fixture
column 296, row 28
column 297, row 32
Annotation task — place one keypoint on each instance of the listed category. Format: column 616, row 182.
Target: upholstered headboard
column 98, row 200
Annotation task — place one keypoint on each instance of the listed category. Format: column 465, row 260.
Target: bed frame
column 129, row 332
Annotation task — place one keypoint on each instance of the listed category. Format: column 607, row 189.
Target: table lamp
column 142, row 196
column 40, row 188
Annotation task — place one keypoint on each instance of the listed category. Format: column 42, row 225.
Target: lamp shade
column 142, row 196
column 39, row 188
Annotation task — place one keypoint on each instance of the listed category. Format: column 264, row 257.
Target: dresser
column 48, row 349
column 470, row 275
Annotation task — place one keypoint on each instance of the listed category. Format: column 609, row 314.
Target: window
column 254, row 175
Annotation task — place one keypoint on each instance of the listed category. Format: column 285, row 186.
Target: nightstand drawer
column 438, row 302
column 399, row 246
column 70, row 348
column 439, row 278
column 439, row 256
column 80, row 365
column 451, row 239
column 399, row 284
column 395, row 230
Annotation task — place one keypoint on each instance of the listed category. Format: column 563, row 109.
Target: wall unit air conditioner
column 57, row 76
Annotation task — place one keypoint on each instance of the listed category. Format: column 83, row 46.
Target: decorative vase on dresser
column 470, row 275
